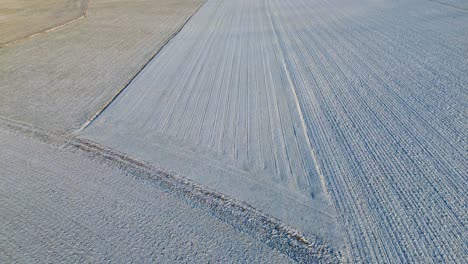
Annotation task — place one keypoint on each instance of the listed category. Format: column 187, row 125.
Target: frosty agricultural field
column 60, row 79
column 309, row 131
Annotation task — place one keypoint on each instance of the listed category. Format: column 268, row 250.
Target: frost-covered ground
column 60, row 206
column 324, row 130
column 20, row 19
column 311, row 110
column 61, row 79
column 217, row 105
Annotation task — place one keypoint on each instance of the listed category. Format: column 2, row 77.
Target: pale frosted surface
column 60, row 79
column 267, row 101
column 59, row 206
column 21, row 18
column 217, row 105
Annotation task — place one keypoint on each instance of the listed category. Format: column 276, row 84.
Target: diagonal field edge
column 99, row 112
column 243, row 217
